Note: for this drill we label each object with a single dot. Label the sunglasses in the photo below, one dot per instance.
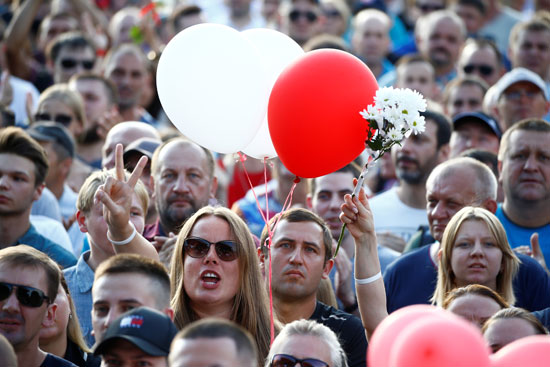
(69, 63)
(426, 8)
(27, 296)
(485, 70)
(294, 15)
(285, 360)
(198, 248)
(331, 13)
(61, 118)
(516, 95)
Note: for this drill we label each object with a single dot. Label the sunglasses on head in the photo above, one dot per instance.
(294, 15)
(198, 248)
(331, 13)
(483, 69)
(61, 118)
(27, 296)
(69, 63)
(285, 360)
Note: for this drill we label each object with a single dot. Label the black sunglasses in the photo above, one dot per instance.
(198, 247)
(69, 63)
(61, 118)
(285, 360)
(294, 15)
(27, 296)
(426, 8)
(483, 69)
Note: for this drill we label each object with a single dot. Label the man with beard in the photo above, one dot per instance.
(184, 181)
(100, 105)
(23, 169)
(401, 210)
(440, 36)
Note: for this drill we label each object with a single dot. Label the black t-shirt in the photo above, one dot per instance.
(55, 361)
(349, 330)
(77, 356)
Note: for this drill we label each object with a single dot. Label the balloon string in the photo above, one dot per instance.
(242, 158)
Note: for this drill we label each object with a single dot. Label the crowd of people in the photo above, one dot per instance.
(122, 242)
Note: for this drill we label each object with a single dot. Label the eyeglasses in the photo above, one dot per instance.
(61, 118)
(70, 63)
(294, 15)
(517, 94)
(485, 70)
(27, 296)
(285, 360)
(198, 248)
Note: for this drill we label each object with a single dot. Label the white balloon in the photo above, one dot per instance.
(213, 86)
(277, 51)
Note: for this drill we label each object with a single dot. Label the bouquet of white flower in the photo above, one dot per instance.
(395, 115)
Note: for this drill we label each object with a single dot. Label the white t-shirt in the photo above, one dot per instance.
(392, 215)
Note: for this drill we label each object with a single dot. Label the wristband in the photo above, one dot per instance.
(369, 280)
(126, 241)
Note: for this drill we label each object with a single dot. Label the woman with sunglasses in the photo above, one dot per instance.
(60, 104)
(475, 250)
(215, 272)
(308, 343)
(63, 337)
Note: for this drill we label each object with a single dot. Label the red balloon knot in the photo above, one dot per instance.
(297, 180)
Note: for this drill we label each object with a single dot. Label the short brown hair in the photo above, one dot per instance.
(108, 85)
(16, 141)
(23, 256)
(131, 263)
(295, 215)
(530, 124)
(516, 313)
(476, 289)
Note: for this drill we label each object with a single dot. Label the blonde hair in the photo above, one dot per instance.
(250, 307)
(85, 200)
(68, 97)
(446, 279)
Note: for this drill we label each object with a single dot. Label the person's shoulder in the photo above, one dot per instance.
(410, 258)
(55, 361)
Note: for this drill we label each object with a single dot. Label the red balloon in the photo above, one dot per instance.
(532, 351)
(440, 341)
(383, 338)
(313, 112)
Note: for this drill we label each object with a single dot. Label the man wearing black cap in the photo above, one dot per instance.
(474, 130)
(141, 336)
(132, 154)
(60, 149)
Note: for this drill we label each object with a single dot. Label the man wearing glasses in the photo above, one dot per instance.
(481, 58)
(308, 343)
(302, 20)
(29, 281)
(69, 54)
(520, 94)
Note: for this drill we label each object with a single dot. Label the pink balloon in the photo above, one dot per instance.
(532, 351)
(383, 338)
(440, 341)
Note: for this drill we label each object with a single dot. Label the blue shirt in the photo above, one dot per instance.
(34, 239)
(80, 279)
(411, 279)
(519, 236)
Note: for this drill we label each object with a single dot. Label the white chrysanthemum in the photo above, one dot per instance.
(418, 124)
(395, 135)
(384, 96)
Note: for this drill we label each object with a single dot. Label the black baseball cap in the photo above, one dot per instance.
(54, 132)
(480, 117)
(143, 146)
(148, 329)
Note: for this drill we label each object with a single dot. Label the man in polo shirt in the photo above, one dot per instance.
(141, 336)
(474, 130)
